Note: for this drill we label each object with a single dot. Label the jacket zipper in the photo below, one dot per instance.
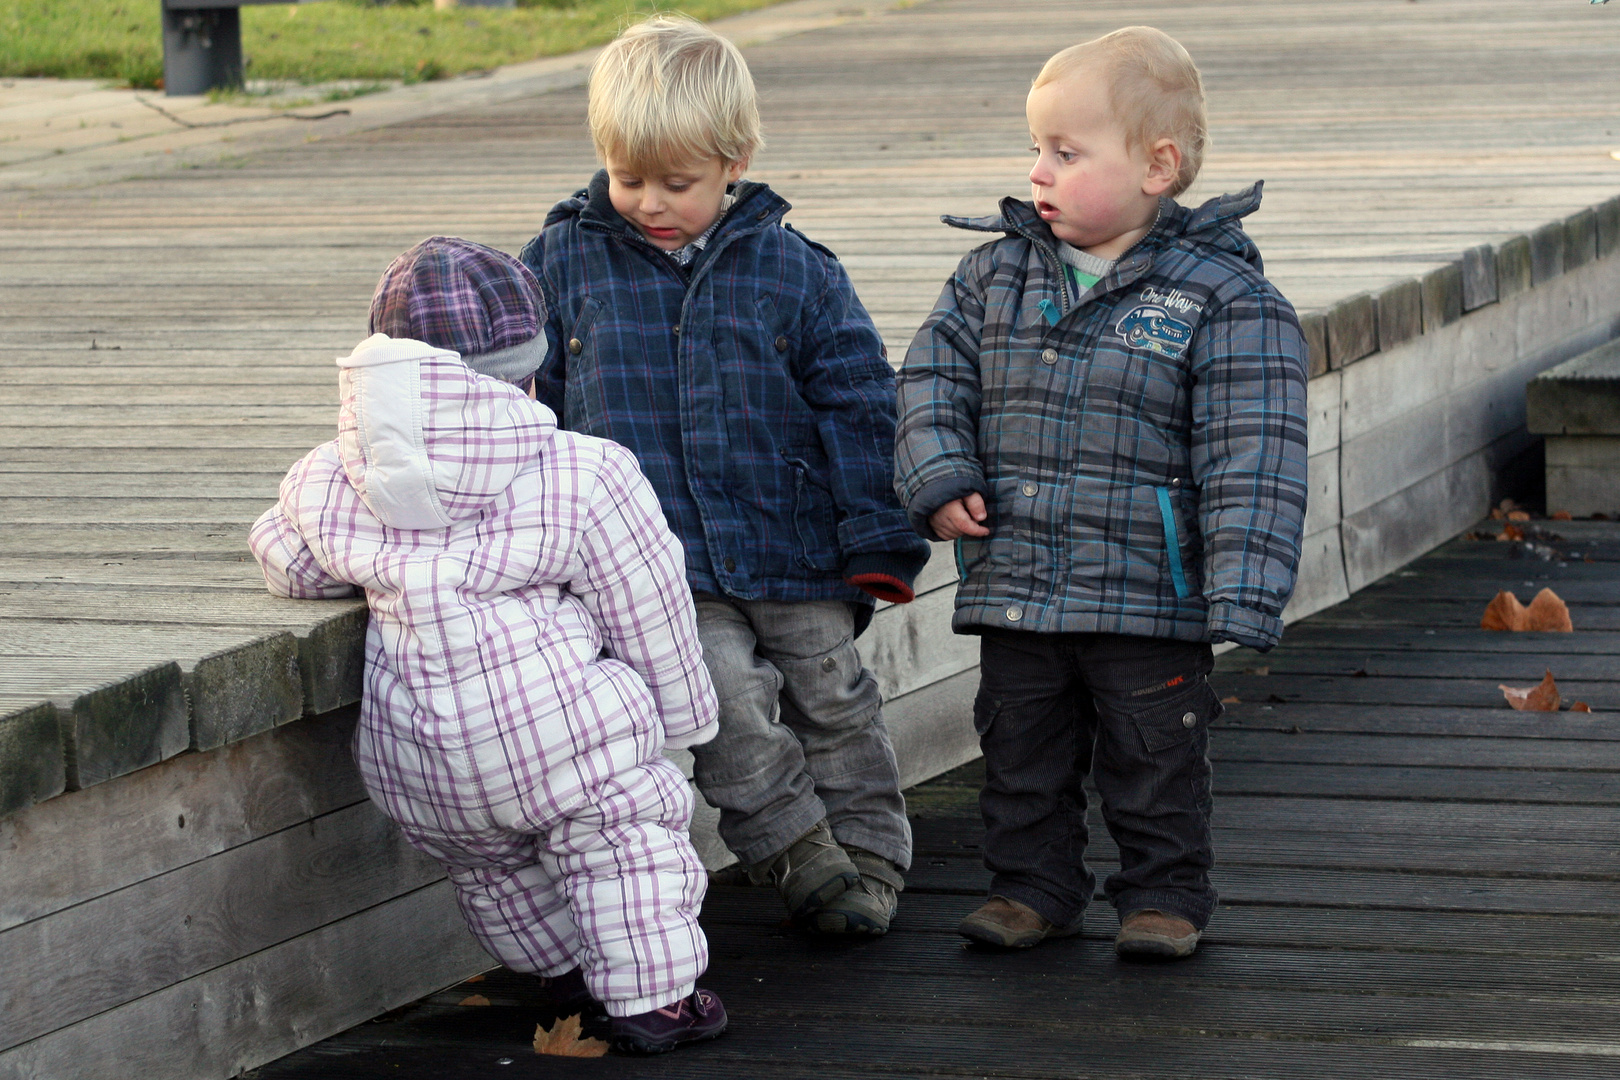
(1172, 541)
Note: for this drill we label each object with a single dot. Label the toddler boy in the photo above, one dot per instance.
(730, 354)
(1106, 411)
(531, 649)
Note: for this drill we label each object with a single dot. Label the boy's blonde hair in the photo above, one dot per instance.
(670, 92)
(1154, 90)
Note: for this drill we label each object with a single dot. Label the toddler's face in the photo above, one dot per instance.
(1087, 184)
(675, 206)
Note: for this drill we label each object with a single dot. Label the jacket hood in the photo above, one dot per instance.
(425, 441)
(1216, 224)
(592, 205)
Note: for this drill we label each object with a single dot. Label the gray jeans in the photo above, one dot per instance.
(801, 730)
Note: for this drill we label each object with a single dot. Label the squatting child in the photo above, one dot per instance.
(1106, 411)
(730, 354)
(531, 651)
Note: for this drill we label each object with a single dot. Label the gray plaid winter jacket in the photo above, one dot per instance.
(1140, 447)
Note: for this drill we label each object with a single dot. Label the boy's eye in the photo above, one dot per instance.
(1065, 156)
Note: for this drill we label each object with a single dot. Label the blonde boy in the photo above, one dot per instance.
(1106, 411)
(731, 355)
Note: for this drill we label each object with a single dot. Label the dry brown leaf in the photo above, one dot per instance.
(1548, 614)
(1518, 515)
(562, 1039)
(1504, 612)
(1511, 532)
(1233, 700)
(475, 978)
(1562, 515)
(1497, 515)
(474, 999)
(1543, 697)
(1580, 706)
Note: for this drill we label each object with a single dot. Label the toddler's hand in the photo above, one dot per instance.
(960, 517)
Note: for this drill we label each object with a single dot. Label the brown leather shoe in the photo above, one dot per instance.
(1011, 925)
(1153, 933)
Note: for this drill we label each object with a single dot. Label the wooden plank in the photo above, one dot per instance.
(261, 1006)
(1382, 718)
(126, 944)
(1476, 693)
(154, 821)
(1509, 666)
(1234, 745)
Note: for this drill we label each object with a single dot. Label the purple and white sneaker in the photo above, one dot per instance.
(694, 1018)
(566, 994)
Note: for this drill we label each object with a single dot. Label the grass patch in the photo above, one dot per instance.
(407, 40)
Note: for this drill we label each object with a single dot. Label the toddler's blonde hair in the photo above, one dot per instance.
(669, 93)
(1154, 90)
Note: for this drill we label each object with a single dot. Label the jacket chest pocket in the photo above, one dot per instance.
(583, 399)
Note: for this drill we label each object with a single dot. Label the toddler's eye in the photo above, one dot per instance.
(1065, 156)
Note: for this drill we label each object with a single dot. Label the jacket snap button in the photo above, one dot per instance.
(828, 663)
(677, 330)
(1029, 489)
(1175, 481)
(1048, 356)
(731, 565)
(576, 346)
(1014, 614)
(781, 344)
(1188, 719)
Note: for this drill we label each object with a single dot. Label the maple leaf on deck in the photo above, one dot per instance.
(1543, 697)
(1547, 613)
(563, 1040)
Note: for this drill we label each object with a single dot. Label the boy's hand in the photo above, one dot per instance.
(960, 517)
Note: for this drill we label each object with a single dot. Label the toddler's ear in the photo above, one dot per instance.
(1164, 167)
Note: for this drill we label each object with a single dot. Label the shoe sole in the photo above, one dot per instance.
(639, 1047)
(1156, 946)
(826, 894)
(986, 934)
(851, 922)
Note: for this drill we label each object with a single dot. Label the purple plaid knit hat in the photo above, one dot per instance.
(455, 294)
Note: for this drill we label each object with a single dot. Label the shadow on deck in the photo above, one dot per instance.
(1415, 880)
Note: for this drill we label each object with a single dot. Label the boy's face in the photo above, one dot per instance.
(1089, 187)
(676, 206)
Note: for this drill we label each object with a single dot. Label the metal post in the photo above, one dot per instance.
(202, 49)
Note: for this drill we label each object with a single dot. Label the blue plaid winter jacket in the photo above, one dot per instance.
(751, 386)
(1140, 447)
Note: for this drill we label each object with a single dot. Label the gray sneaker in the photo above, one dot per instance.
(870, 905)
(812, 871)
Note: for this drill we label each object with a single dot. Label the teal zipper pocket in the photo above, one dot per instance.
(961, 563)
(1172, 540)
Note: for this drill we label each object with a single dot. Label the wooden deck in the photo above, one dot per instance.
(1415, 881)
(167, 342)
(165, 354)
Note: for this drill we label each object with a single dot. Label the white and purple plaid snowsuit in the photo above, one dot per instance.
(532, 650)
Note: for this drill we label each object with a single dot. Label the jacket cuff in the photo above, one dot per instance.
(935, 494)
(1246, 626)
(693, 738)
(879, 531)
(887, 575)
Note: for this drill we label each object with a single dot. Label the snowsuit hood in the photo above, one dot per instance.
(426, 441)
